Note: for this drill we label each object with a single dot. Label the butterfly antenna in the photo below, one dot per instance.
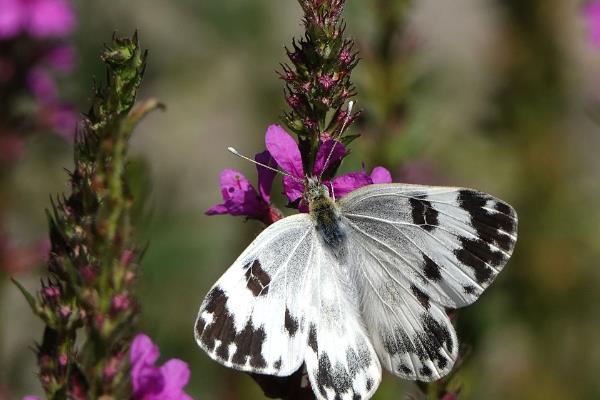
(349, 113)
(237, 153)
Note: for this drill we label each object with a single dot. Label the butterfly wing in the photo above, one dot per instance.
(254, 317)
(449, 242)
(419, 249)
(340, 359)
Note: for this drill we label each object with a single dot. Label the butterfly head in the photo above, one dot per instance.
(314, 190)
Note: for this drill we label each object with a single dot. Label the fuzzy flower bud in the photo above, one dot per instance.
(120, 302)
(51, 292)
(326, 82)
(65, 312)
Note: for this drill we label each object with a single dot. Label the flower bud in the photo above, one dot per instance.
(120, 302)
(127, 257)
(64, 311)
(294, 101)
(346, 57)
(51, 292)
(63, 359)
(326, 82)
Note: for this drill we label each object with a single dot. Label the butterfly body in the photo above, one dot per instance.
(326, 216)
(357, 285)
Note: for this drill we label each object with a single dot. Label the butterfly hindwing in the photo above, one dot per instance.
(254, 317)
(412, 335)
(449, 242)
(340, 359)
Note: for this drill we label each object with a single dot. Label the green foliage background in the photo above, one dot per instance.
(498, 95)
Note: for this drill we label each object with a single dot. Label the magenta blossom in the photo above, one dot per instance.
(38, 18)
(156, 383)
(592, 16)
(242, 199)
(285, 151)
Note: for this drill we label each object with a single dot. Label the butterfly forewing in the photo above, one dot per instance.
(449, 242)
(254, 317)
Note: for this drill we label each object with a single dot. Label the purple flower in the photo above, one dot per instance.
(61, 58)
(592, 15)
(31, 397)
(42, 85)
(39, 18)
(156, 383)
(62, 120)
(241, 198)
(285, 151)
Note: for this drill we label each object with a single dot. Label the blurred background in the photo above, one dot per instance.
(501, 95)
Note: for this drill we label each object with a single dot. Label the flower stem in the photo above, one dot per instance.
(92, 263)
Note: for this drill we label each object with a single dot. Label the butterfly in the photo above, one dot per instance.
(357, 285)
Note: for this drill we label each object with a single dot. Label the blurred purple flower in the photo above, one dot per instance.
(285, 151)
(31, 397)
(592, 16)
(39, 18)
(156, 383)
(62, 119)
(61, 58)
(42, 85)
(242, 199)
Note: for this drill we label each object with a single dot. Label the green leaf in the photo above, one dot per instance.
(346, 140)
(28, 296)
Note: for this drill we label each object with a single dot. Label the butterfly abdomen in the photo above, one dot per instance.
(328, 223)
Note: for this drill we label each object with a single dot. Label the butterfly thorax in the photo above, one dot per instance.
(326, 215)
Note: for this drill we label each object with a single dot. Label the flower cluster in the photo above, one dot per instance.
(242, 199)
(150, 382)
(93, 258)
(318, 81)
(32, 53)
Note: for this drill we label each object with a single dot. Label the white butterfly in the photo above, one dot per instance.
(358, 284)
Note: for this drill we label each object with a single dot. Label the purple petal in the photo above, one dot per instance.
(147, 382)
(292, 189)
(50, 18)
(12, 14)
(284, 150)
(339, 152)
(30, 397)
(143, 351)
(265, 176)
(176, 374)
(218, 209)
(240, 197)
(344, 184)
(381, 175)
(145, 376)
